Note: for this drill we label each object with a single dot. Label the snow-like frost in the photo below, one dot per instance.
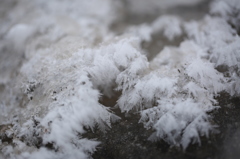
(224, 52)
(177, 122)
(205, 75)
(72, 59)
(181, 91)
(61, 75)
(169, 26)
(184, 76)
(229, 10)
(66, 108)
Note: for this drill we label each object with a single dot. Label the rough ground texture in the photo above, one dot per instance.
(128, 139)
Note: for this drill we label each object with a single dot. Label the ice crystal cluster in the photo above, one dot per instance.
(72, 58)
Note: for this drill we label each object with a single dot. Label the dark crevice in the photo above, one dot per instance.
(157, 44)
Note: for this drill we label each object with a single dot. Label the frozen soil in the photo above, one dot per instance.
(129, 139)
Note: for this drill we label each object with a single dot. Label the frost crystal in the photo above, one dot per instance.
(71, 57)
